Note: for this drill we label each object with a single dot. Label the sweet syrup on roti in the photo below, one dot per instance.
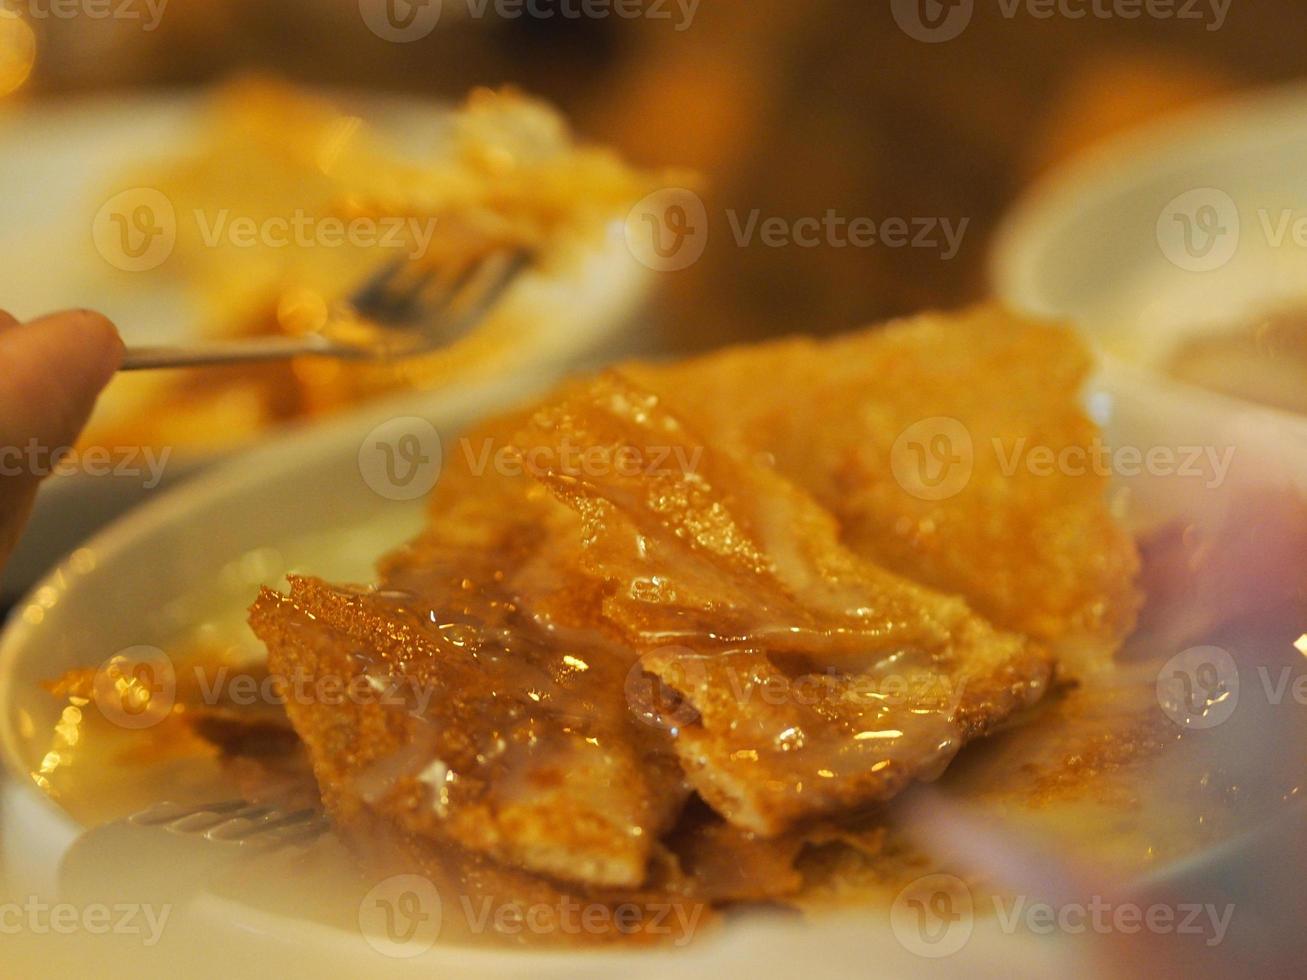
(1098, 768)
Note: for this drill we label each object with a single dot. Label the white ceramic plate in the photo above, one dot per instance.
(59, 162)
(137, 583)
(1171, 228)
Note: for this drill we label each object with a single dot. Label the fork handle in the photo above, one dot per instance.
(246, 351)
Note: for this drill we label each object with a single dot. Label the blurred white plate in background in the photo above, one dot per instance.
(1181, 226)
(59, 162)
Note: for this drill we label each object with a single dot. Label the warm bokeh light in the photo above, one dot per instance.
(17, 52)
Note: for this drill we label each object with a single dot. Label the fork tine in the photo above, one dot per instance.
(377, 286)
(437, 302)
(271, 822)
(444, 282)
(484, 285)
(167, 812)
(235, 822)
(391, 295)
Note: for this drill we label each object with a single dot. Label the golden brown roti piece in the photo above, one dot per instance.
(967, 409)
(822, 684)
(464, 721)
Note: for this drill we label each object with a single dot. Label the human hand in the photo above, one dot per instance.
(51, 371)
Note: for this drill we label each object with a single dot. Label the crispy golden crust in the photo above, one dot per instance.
(527, 760)
(821, 683)
(1031, 545)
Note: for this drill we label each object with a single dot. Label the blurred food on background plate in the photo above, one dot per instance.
(288, 202)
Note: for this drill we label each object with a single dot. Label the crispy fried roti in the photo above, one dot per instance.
(819, 683)
(950, 449)
(709, 579)
(465, 721)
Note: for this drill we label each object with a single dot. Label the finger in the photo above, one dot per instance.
(7, 320)
(51, 371)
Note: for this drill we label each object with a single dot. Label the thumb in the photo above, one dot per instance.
(51, 371)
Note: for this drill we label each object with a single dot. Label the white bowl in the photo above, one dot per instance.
(138, 582)
(1103, 240)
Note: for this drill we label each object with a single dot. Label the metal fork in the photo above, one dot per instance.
(172, 851)
(235, 822)
(406, 308)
